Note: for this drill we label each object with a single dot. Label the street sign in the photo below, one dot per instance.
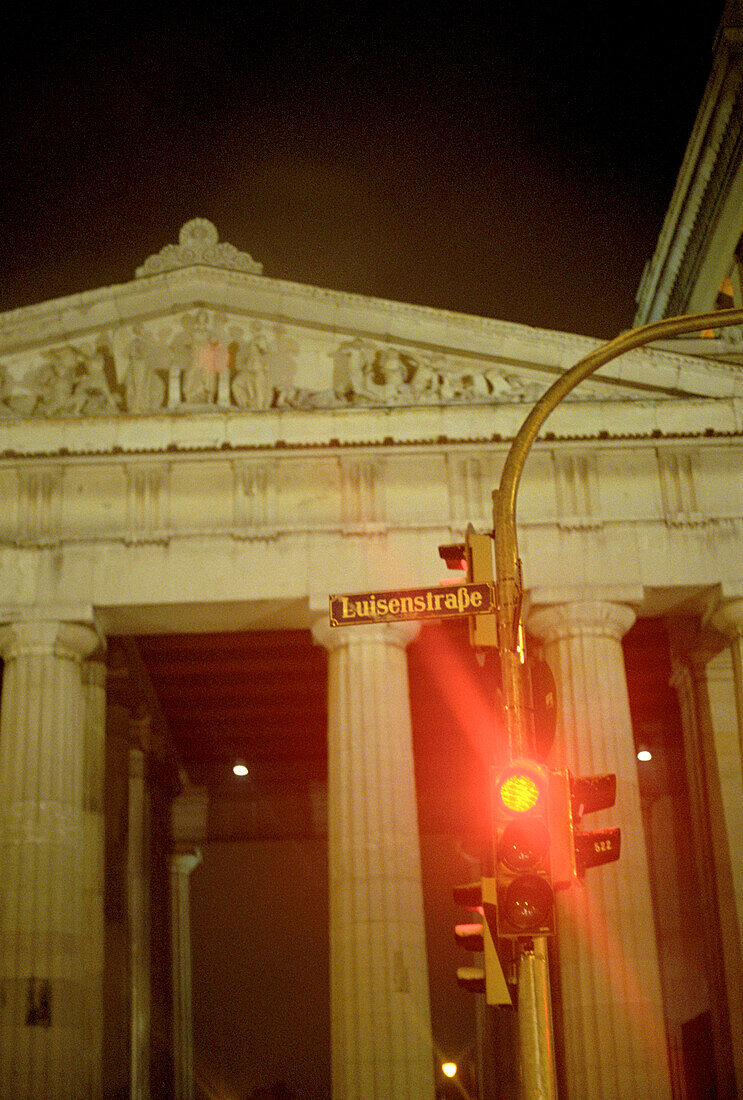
(441, 602)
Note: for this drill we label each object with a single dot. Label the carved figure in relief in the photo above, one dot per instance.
(426, 379)
(354, 363)
(93, 384)
(367, 375)
(392, 373)
(71, 382)
(469, 385)
(53, 382)
(7, 406)
(281, 358)
(203, 357)
(519, 388)
(199, 383)
(144, 389)
(250, 388)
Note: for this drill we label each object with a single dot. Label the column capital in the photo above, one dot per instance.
(74, 641)
(394, 634)
(728, 618)
(600, 618)
(185, 861)
(547, 595)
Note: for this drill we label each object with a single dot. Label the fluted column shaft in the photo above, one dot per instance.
(138, 902)
(729, 620)
(380, 1013)
(94, 685)
(44, 895)
(181, 866)
(727, 734)
(613, 1023)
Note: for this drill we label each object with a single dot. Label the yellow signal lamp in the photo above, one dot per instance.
(521, 788)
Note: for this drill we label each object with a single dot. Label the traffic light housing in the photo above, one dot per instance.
(575, 850)
(522, 848)
(594, 847)
(478, 937)
(475, 556)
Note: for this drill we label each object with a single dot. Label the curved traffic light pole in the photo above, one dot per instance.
(507, 563)
(535, 1024)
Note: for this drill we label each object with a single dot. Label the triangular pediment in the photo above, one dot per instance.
(201, 331)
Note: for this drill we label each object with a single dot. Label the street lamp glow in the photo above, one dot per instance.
(449, 1069)
(240, 768)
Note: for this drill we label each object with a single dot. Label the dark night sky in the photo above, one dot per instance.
(506, 159)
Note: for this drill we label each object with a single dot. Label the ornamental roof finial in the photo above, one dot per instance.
(198, 243)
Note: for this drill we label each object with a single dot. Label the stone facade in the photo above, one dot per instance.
(208, 448)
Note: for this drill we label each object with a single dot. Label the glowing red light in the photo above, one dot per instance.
(519, 793)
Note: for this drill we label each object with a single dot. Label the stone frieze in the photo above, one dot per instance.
(206, 359)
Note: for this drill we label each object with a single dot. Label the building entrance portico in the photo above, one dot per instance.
(205, 453)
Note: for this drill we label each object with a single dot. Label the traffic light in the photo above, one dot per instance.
(522, 843)
(595, 847)
(575, 850)
(489, 978)
(475, 555)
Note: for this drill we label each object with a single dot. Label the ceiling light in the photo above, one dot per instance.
(240, 768)
(644, 753)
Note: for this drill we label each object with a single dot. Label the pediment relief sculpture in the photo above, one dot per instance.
(370, 375)
(204, 359)
(67, 380)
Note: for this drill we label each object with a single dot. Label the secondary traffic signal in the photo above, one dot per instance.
(489, 978)
(596, 846)
(574, 850)
(475, 556)
(521, 827)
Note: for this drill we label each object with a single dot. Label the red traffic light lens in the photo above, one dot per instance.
(528, 904)
(524, 845)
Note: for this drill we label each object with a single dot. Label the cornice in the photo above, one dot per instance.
(284, 433)
(702, 186)
(255, 295)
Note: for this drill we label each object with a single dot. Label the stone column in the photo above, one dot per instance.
(380, 1015)
(94, 683)
(692, 651)
(728, 619)
(44, 895)
(612, 1008)
(723, 676)
(138, 902)
(181, 866)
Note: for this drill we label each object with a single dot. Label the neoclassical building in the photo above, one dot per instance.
(190, 463)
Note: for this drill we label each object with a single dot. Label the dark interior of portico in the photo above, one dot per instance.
(260, 897)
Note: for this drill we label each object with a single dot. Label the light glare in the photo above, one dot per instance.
(449, 1069)
(644, 754)
(239, 768)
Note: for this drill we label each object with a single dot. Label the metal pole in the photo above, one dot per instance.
(480, 1045)
(535, 1023)
(535, 1018)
